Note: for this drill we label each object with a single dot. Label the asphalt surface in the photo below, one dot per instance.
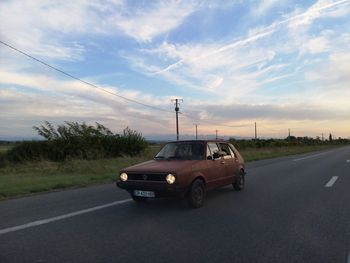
(293, 209)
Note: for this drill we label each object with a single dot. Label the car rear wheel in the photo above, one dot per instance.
(196, 194)
(139, 199)
(238, 185)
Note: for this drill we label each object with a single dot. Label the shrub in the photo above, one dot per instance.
(74, 140)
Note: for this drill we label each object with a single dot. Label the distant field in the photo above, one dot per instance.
(35, 177)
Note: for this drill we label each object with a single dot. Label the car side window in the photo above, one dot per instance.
(213, 147)
(226, 149)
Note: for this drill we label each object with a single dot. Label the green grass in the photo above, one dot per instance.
(5, 147)
(41, 176)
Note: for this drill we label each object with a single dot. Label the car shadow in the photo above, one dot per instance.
(180, 204)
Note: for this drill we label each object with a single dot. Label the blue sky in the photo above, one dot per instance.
(283, 64)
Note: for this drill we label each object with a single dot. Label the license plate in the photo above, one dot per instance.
(144, 193)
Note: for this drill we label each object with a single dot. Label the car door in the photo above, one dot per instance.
(230, 163)
(216, 167)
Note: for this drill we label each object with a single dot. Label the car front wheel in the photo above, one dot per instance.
(238, 185)
(196, 194)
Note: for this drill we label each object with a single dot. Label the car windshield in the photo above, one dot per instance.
(182, 151)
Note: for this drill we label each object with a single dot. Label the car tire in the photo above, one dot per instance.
(238, 185)
(196, 194)
(139, 199)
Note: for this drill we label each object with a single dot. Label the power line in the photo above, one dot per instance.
(83, 81)
(113, 93)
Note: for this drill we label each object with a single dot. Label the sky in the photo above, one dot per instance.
(278, 63)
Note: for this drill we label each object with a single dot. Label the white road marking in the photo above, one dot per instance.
(310, 156)
(349, 258)
(331, 181)
(57, 218)
(348, 161)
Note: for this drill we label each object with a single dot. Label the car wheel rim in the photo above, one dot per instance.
(241, 180)
(198, 195)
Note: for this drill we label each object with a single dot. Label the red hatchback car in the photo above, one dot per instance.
(187, 169)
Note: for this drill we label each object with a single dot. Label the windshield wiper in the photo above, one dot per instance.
(159, 157)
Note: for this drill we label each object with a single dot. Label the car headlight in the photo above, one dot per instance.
(123, 177)
(170, 178)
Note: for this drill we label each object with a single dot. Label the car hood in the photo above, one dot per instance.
(161, 166)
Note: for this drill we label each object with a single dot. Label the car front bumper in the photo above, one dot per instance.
(161, 189)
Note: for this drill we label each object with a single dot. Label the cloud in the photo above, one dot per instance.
(273, 112)
(29, 96)
(38, 27)
(53, 30)
(334, 75)
(155, 19)
(265, 5)
(315, 11)
(294, 69)
(269, 54)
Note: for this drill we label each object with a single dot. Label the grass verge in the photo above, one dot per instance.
(4, 148)
(42, 176)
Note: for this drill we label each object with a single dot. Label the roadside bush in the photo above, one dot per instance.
(80, 141)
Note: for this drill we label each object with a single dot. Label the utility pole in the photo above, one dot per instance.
(256, 133)
(322, 137)
(216, 132)
(177, 116)
(196, 131)
(289, 133)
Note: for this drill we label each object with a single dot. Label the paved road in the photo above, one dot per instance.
(294, 209)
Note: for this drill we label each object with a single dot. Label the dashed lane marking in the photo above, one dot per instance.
(331, 181)
(61, 217)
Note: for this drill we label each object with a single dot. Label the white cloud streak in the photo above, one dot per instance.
(312, 13)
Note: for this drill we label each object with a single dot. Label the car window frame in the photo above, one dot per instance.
(212, 153)
(208, 153)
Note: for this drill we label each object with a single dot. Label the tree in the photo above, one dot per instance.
(330, 137)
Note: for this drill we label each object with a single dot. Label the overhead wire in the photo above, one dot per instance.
(84, 81)
(113, 93)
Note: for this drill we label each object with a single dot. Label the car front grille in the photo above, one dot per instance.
(147, 177)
